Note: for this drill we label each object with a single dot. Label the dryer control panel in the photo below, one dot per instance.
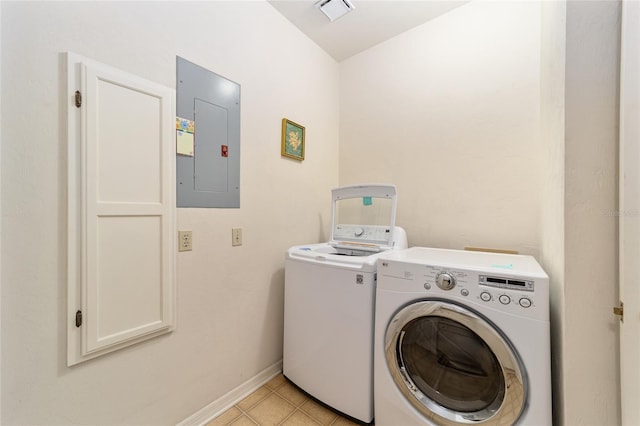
(504, 282)
(521, 293)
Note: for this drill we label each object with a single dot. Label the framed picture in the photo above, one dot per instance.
(292, 140)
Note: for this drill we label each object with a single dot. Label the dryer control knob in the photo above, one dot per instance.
(504, 299)
(445, 281)
(525, 302)
(358, 232)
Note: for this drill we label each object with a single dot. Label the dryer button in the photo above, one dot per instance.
(427, 286)
(525, 302)
(485, 296)
(464, 292)
(504, 299)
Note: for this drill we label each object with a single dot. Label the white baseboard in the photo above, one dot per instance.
(228, 400)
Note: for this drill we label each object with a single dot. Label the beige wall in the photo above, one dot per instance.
(230, 300)
(0, 216)
(552, 241)
(449, 112)
(590, 338)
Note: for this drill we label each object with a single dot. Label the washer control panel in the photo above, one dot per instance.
(364, 233)
(508, 292)
(521, 289)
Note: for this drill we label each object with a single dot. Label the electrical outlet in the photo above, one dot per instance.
(236, 236)
(184, 241)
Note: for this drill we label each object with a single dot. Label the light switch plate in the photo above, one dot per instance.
(236, 236)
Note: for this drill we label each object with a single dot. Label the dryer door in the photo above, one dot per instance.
(454, 366)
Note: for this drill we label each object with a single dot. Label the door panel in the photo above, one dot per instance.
(121, 209)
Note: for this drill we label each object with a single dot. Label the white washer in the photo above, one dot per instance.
(330, 297)
(461, 338)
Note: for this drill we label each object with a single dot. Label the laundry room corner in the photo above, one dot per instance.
(454, 125)
(489, 148)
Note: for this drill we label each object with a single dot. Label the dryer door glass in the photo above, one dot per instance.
(452, 364)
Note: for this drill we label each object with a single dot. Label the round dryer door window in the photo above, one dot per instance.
(454, 366)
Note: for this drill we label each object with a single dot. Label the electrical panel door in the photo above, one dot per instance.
(210, 175)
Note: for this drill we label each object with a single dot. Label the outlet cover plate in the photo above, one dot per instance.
(185, 239)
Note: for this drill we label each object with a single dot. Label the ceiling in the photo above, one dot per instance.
(371, 22)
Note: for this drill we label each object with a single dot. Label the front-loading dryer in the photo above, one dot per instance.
(329, 300)
(461, 338)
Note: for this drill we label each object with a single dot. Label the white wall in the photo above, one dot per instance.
(0, 217)
(552, 241)
(230, 300)
(590, 339)
(449, 112)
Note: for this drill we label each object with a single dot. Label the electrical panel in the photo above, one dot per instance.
(208, 170)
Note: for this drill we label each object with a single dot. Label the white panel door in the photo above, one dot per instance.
(630, 212)
(121, 209)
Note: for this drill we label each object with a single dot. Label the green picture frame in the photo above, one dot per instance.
(292, 140)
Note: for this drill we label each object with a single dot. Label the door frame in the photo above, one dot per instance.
(629, 213)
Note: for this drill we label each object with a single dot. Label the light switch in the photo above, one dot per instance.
(236, 236)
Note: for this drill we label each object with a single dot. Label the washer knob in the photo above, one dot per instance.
(445, 281)
(358, 232)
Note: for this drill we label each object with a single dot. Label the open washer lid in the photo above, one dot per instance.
(363, 218)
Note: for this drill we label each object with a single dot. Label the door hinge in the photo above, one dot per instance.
(78, 318)
(78, 99)
(619, 310)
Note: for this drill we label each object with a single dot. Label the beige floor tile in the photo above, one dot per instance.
(275, 404)
(243, 420)
(318, 412)
(341, 421)
(291, 394)
(251, 400)
(226, 417)
(276, 381)
(299, 419)
(271, 411)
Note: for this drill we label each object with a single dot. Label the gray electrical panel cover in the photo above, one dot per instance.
(211, 178)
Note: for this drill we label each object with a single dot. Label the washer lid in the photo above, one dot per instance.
(363, 217)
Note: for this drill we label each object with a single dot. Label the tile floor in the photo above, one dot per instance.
(279, 402)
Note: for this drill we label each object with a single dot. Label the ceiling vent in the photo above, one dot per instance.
(334, 9)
